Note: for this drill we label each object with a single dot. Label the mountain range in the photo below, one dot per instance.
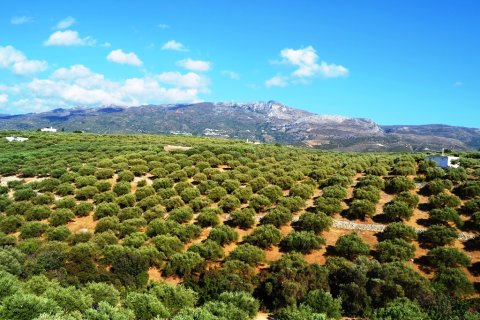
(269, 122)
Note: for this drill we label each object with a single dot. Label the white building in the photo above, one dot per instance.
(444, 161)
(17, 139)
(48, 129)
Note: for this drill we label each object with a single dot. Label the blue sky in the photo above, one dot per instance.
(396, 62)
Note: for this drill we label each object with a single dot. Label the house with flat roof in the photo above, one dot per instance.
(48, 129)
(444, 161)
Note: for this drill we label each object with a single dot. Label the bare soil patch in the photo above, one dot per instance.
(82, 223)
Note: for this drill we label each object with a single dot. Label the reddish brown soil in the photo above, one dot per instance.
(82, 223)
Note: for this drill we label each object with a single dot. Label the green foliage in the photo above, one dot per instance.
(181, 215)
(323, 302)
(289, 279)
(259, 202)
(24, 194)
(398, 210)
(371, 180)
(243, 194)
(208, 218)
(48, 273)
(243, 218)
(438, 235)
(32, 229)
(395, 250)
(399, 230)
(277, 216)
(247, 253)
(336, 192)
(468, 189)
(61, 217)
(437, 186)
(409, 198)
(445, 215)
(264, 236)
(86, 193)
(314, 222)
(400, 309)
(26, 306)
(359, 209)
(399, 184)
(121, 188)
(369, 193)
(216, 193)
(145, 306)
(329, 206)
(301, 190)
(293, 204)
(38, 212)
(229, 203)
(448, 257)
(209, 250)
(351, 246)
(185, 263)
(167, 244)
(444, 200)
(106, 209)
(301, 241)
(242, 301)
(223, 235)
(452, 281)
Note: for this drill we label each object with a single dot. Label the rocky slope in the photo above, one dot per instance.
(257, 121)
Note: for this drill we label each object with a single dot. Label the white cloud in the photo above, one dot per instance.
(78, 85)
(163, 26)
(231, 74)
(277, 81)
(174, 45)
(194, 65)
(17, 20)
(306, 61)
(74, 72)
(68, 38)
(106, 45)
(188, 80)
(458, 84)
(307, 66)
(29, 67)
(17, 62)
(3, 98)
(65, 23)
(118, 56)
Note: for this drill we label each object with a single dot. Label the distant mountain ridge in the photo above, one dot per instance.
(268, 121)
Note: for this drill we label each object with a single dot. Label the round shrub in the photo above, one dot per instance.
(243, 218)
(264, 236)
(361, 208)
(301, 241)
(248, 253)
(351, 246)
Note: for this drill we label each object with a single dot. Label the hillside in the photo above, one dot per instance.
(269, 122)
(116, 224)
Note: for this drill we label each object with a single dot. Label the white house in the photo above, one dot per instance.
(444, 161)
(17, 139)
(48, 129)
